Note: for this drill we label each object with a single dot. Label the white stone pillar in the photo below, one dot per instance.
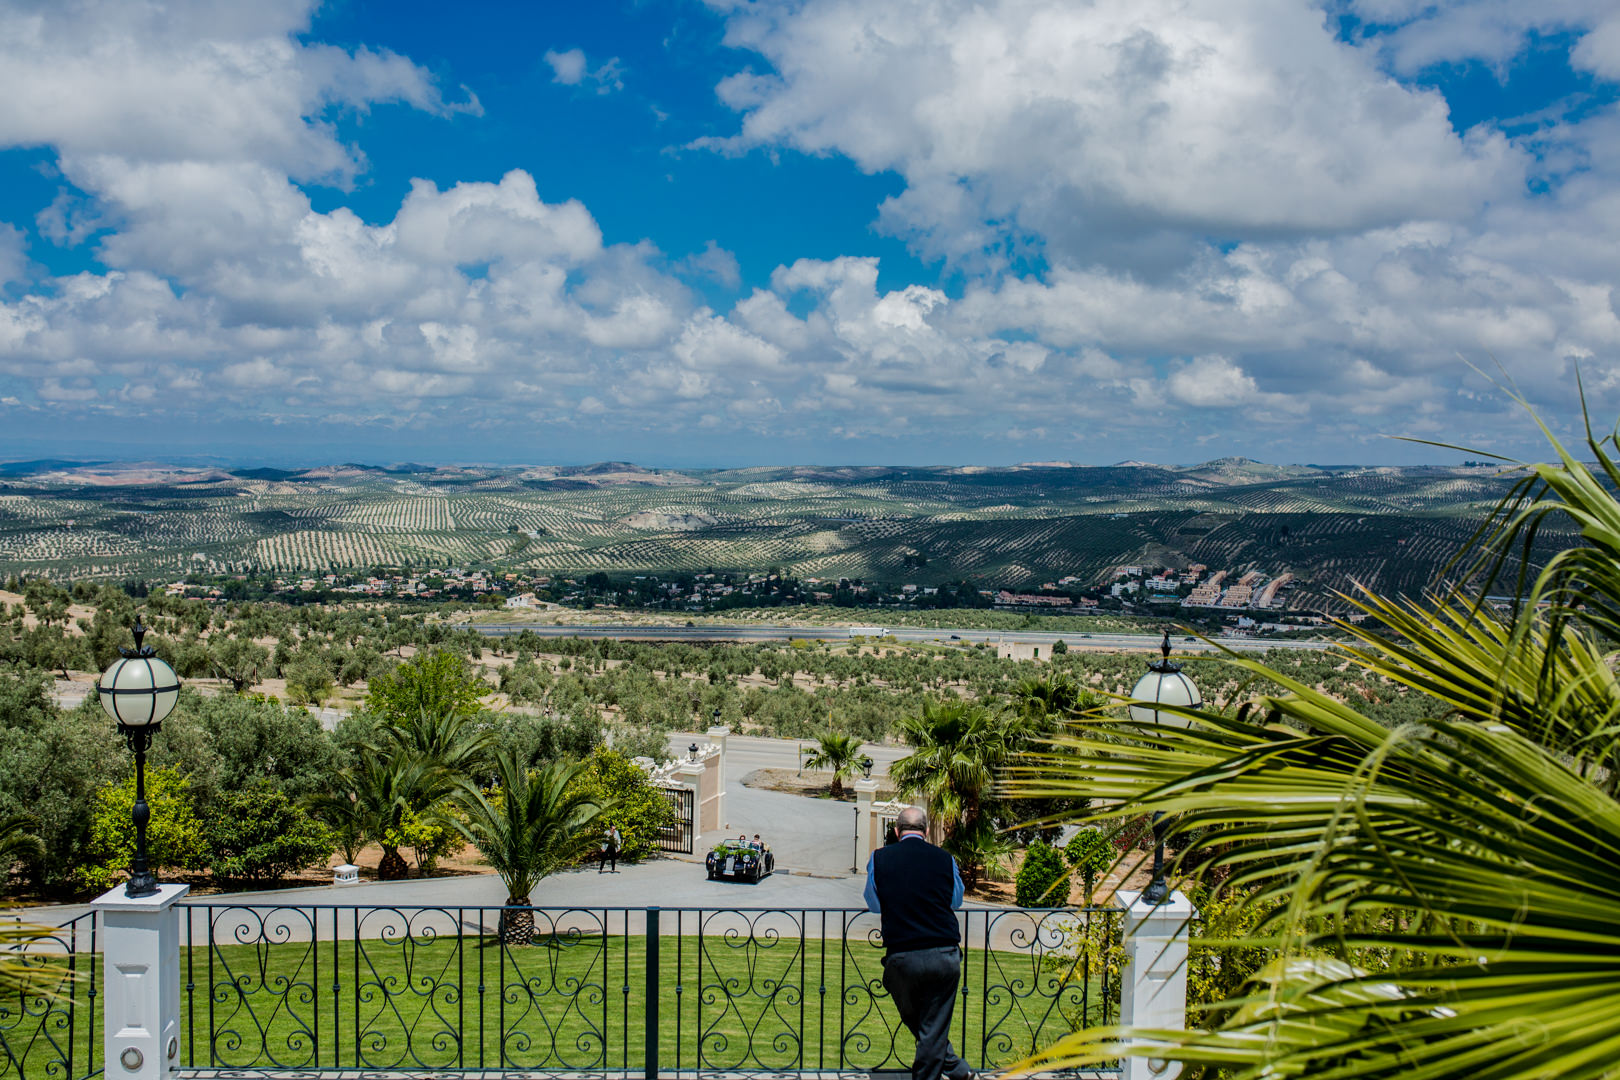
(690, 774)
(1153, 993)
(141, 949)
(865, 792)
(717, 735)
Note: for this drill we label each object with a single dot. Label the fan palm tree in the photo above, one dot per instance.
(956, 748)
(535, 824)
(837, 752)
(1440, 899)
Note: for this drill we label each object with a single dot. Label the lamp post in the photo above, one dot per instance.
(139, 691)
(692, 752)
(717, 716)
(1164, 684)
(866, 767)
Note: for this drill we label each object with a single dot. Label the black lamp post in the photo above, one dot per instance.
(692, 751)
(1164, 684)
(139, 691)
(716, 716)
(866, 768)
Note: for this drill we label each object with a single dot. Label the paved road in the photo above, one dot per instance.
(1075, 638)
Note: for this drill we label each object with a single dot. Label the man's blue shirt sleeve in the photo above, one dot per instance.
(956, 884)
(871, 887)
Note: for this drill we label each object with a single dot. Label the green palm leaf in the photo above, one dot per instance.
(1442, 899)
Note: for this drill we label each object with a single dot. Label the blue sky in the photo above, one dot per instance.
(765, 232)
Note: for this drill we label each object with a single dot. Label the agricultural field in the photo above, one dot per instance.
(1331, 527)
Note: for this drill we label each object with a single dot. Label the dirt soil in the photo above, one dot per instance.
(812, 784)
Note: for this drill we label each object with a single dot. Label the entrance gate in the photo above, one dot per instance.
(679, 836)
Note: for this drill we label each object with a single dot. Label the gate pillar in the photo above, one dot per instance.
(1154, 990)
(141, 947)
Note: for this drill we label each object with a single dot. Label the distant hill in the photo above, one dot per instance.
(998, 526)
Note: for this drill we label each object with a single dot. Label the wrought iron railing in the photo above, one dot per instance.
(623, 990)
(50, 1024)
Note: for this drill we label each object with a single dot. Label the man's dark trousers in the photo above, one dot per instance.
(923, 984)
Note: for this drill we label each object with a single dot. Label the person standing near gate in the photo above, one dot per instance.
(916, 887)
(610, 851)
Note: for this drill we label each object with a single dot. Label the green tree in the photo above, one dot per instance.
(17, 843)
(174, 836)
(1091, 854)
(534, 824)
(256, 834)
(394, 794)
(837, 752)
(1437, 899)
(309, 681)
(956, 747)
(434, 683)
(1042, 879)
(630, 801)
(238, 661)
(339, 809)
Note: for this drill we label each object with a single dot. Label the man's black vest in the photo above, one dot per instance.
(915, 882)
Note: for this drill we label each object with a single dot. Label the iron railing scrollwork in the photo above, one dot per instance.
(622, 990)
(50, 1025)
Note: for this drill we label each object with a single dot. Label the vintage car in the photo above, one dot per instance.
(739, 861)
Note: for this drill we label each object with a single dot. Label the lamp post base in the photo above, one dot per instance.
(141, 884)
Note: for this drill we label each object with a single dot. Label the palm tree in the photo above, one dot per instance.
(387, 789)
(957, 746)
(340, 811)
(453, 739)
(16, 842)
(1441, 899)
(840, 753)
(536, 824)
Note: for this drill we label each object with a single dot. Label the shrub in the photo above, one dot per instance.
(1042, 879)
(1091, 854)
(1060, 647)
(309, 682)
(257, 834)
(174, 837)
(637, 807)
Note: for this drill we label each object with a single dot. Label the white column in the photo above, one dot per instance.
(141, 947)
(690, 774)
(865, 792)
(1154, 990)
(717, 735)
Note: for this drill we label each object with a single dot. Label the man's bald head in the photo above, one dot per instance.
(911, 819)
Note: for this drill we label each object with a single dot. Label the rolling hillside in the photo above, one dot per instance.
(1329, 526)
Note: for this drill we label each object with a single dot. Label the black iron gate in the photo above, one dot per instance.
(679, 836)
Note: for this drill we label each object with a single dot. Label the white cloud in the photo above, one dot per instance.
(1212, 381)
(1361, 243)
(567, 67)
(1101, 124)
(570, 69)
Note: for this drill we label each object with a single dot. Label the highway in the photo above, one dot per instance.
(1075, 638)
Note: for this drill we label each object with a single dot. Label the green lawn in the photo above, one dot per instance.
(575, 1003)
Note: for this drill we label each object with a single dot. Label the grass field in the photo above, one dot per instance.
(572, 1002)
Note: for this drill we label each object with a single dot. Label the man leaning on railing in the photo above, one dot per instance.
(916, 887)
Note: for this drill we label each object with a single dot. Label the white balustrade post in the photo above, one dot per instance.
(717, 735)
(1153, 993)
(141, 949)
(865, 792)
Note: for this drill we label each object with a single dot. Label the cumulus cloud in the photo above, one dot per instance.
(1095, 127)
(1232, 212)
